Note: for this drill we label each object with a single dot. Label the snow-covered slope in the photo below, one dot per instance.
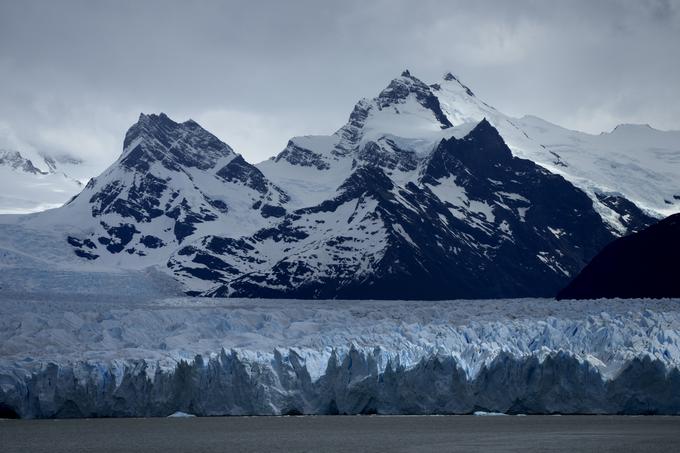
(633, 162)
(394, 130)
(637, 162)
(26, 186)
(131, 357)
(173, 182)
(401, 203)
(477, 222)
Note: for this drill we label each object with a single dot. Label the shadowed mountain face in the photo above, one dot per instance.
(644, 264)
(478, 222)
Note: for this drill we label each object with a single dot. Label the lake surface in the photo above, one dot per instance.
(345, 434)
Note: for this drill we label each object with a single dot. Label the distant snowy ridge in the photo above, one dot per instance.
(29, 184)
(244, 357)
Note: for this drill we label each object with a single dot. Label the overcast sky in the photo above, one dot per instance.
(74, 75)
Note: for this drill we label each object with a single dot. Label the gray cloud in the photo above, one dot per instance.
(75, 74)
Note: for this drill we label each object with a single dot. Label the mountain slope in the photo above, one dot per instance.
(644, 264)
(635, 162)
(477, 223)
(395, 130)
(173, 182)
(26, 186)
(423, 193)
(630, 174)
(407, 120)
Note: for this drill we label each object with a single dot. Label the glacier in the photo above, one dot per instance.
(134, 355)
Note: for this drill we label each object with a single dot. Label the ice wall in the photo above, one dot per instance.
(239, 357)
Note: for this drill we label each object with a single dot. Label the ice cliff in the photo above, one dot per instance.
(66, 358)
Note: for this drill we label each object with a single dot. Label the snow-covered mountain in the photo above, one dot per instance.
(401, 203)
(35, 183)
(173, 182)
(633, 162)
(404, 123)
(426, 192)
(477, 222)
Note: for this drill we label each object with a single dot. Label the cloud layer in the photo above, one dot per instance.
(74, 75)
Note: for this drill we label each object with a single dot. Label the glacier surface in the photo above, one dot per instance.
(89, 356)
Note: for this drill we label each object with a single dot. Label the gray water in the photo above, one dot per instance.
(344, 434)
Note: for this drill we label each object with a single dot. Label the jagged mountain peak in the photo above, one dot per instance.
(475, 215)
(484, 129)
(404, 97)
(366, 178)
(451, 79)
(157, 138)
(482, 148)
(173, 181)
(159, 124)
(402, 87)
(153, 117)
(485, 138)
(162, 119)
(16, 161)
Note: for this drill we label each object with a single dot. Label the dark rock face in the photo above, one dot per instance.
(630, 216)
(389, 156)
(644, 264)
(272, 211)
(119, 237)
(534, 230)
(543, 228)
(83, 248)
(351, 132)
(240, 171)
(142, 201)
(402, 87)
(151, 242)
(448, 77)
(157, 138)
(186, 217)
(296, 155)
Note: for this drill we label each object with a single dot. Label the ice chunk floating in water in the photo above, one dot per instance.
(77, 358)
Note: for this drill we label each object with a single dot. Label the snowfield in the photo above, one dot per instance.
(107, 356)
